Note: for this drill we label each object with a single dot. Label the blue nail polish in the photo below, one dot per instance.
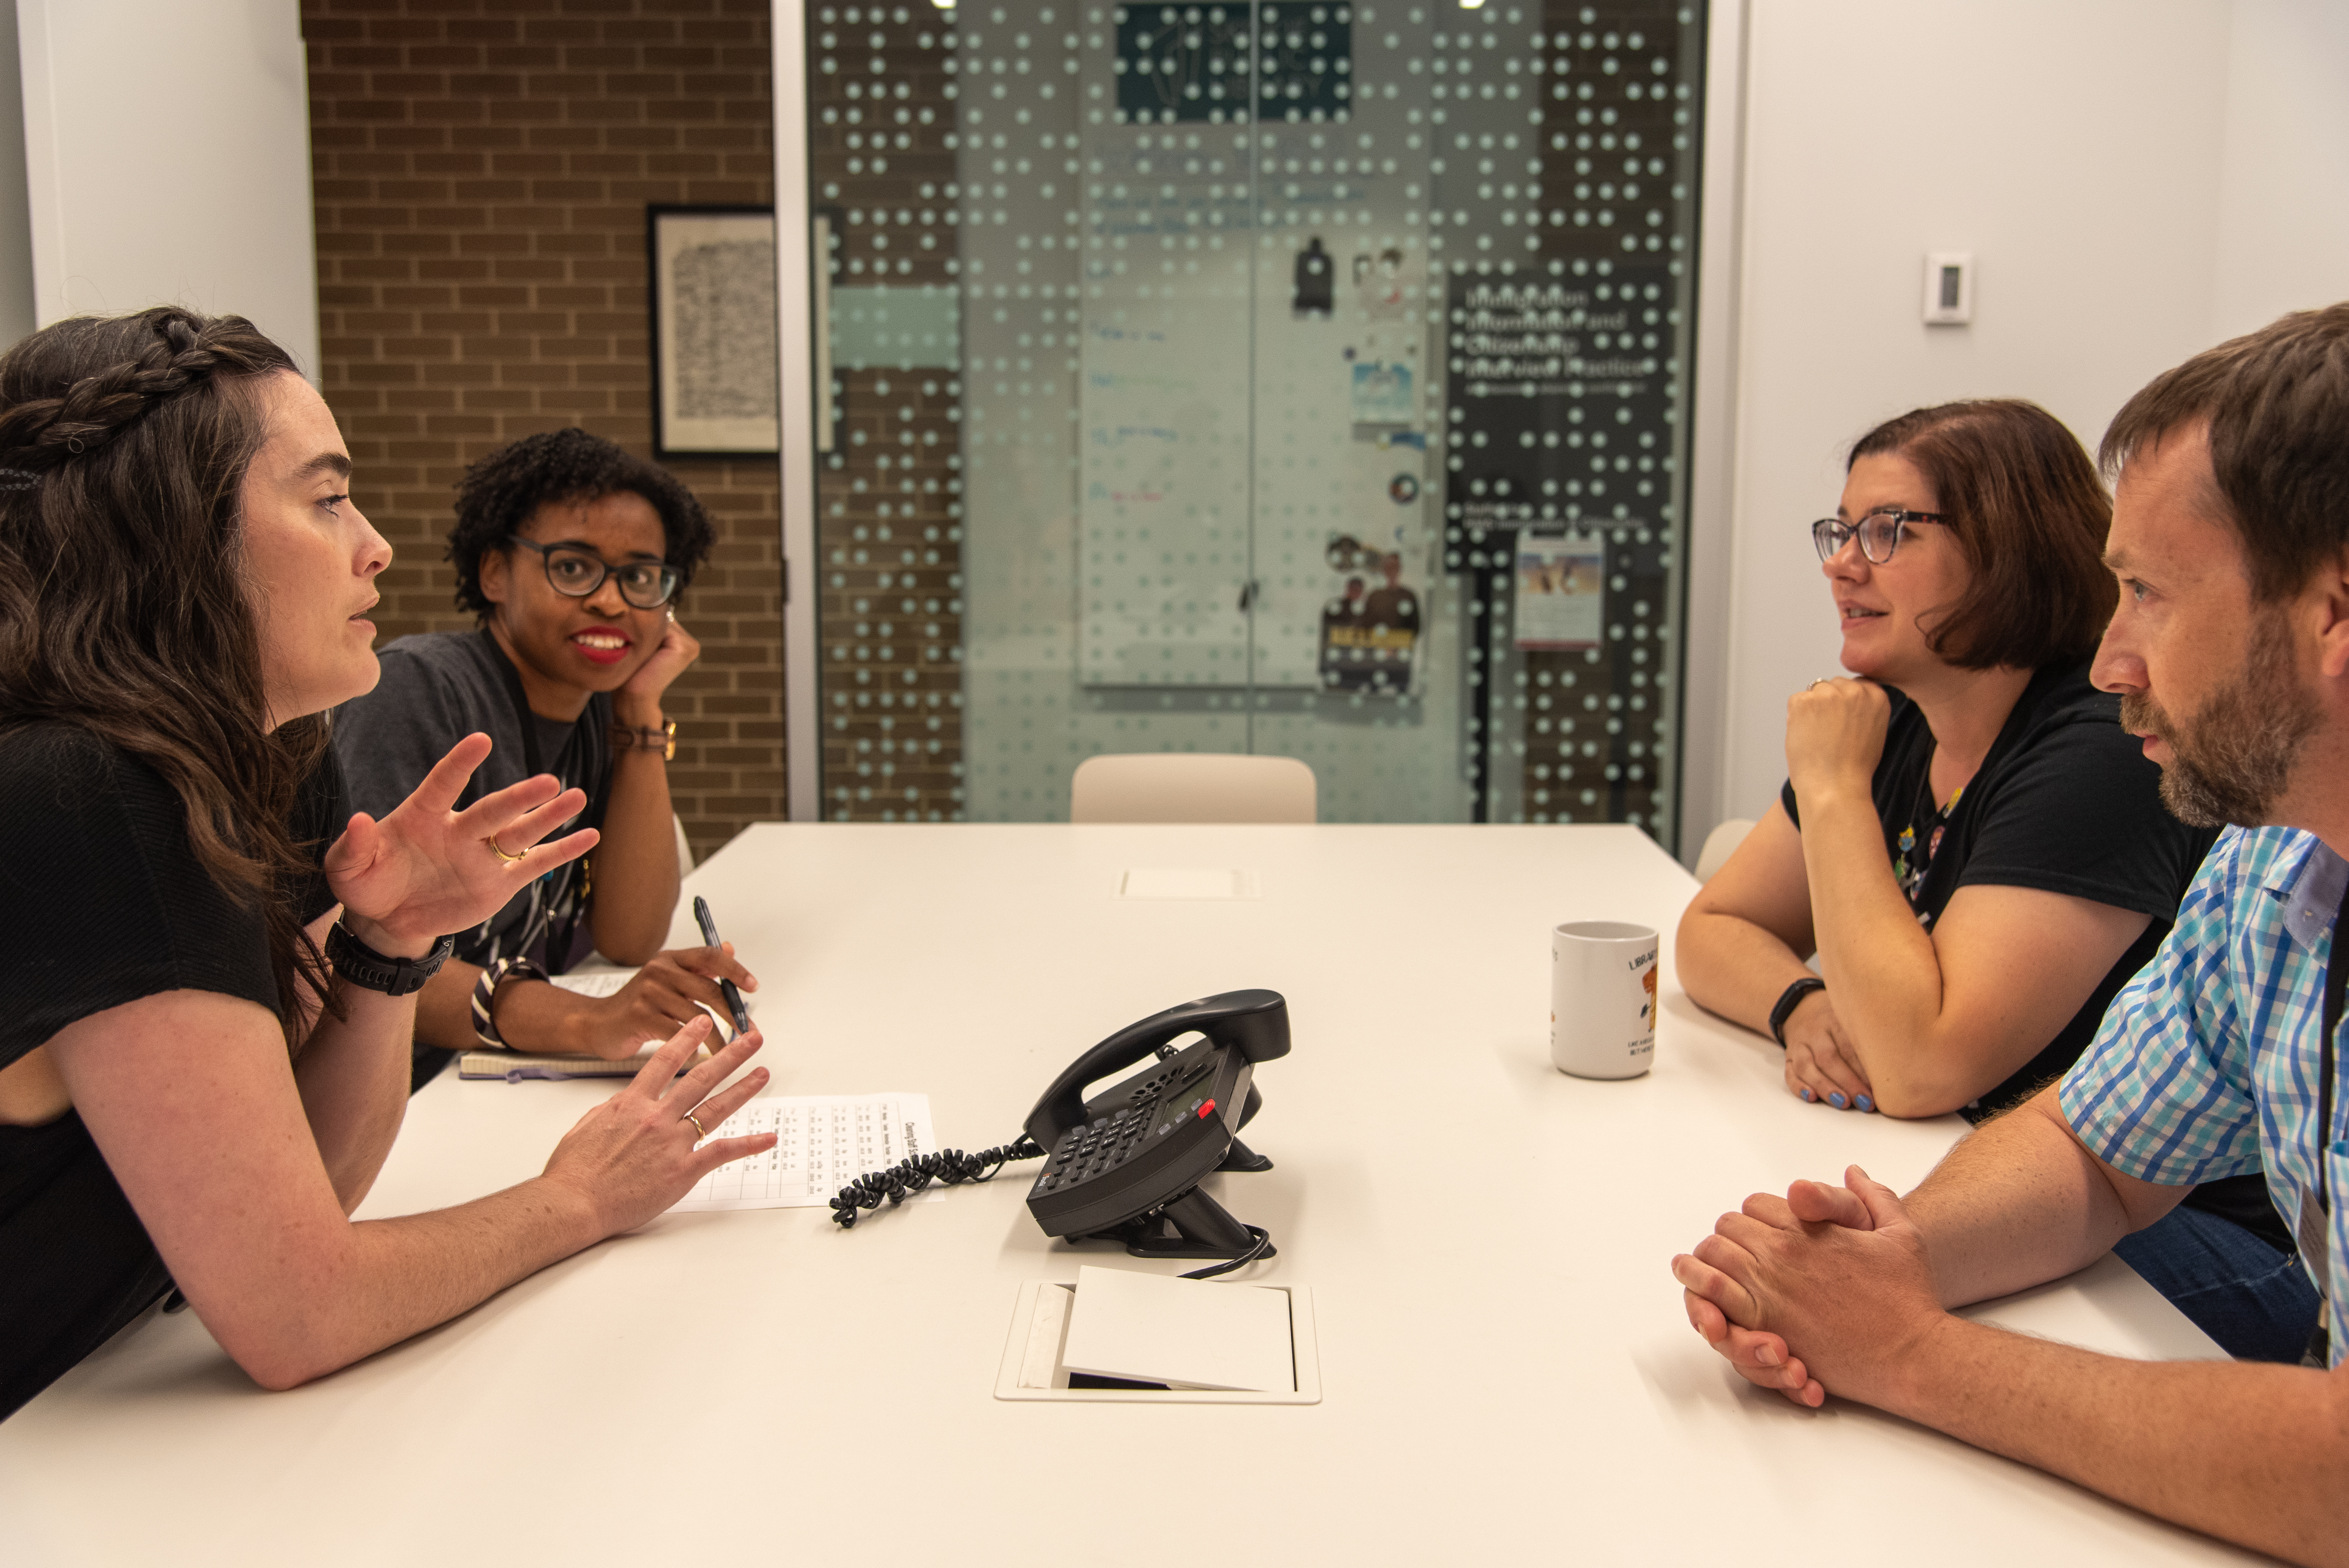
(1866, 1104)
(1806, 1096)
(1836, 1100)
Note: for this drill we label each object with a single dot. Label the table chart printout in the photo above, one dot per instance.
(822, 1142)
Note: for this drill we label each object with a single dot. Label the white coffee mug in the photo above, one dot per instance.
(1602, 999)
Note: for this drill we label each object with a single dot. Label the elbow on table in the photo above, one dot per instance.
(1912, 1096)
(284, 1348)
(286, 1362)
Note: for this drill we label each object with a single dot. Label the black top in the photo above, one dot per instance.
(435, 690)
(102, 902)
(2066, 801)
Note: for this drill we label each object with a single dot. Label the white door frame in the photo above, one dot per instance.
(795, 335)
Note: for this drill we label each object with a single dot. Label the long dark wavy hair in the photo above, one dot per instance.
(123, 602)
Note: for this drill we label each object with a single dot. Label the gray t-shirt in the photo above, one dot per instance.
(435, 690)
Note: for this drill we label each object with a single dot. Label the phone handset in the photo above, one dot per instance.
(1126, 1164)
(1254, 1022)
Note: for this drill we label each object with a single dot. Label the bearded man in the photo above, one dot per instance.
(2230, 651)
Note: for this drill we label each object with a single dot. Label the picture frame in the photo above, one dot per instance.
(711, 281)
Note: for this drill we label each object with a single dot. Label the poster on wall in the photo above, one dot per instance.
(1370, 625)
(1561, 593)
(713, 331)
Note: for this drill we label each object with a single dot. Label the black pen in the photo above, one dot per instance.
(733, 997)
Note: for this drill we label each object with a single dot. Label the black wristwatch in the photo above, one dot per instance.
(368, 970)
(1790, 999)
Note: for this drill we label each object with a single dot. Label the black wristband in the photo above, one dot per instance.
(1790, 999)
(364, 966)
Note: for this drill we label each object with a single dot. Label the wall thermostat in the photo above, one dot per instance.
(1949, 288)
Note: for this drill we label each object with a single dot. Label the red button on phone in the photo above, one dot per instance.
(1205, 1109)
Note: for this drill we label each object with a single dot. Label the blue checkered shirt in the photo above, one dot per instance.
(2205, 1064)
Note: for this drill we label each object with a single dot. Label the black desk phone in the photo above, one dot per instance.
(1125, 1164)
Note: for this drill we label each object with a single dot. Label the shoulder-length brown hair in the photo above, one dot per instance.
(2029, 515)
(123, 604)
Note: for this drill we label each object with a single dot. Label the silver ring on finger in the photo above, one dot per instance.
(1822, 680)
(699, 1132)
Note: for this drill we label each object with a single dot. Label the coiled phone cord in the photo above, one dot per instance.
(954, 1167)
(915, 1172)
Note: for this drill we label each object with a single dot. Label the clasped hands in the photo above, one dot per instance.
(1826, 1286)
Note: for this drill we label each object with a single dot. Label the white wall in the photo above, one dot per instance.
(2284, 196)
(16, 227)
(167, 159)
(2136, 177)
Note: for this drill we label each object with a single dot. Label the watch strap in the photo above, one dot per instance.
(368, 970)
(661, 738)
(485, 996)
(1790, 999)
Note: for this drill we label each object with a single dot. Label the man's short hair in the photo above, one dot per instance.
(2024, 506)
(2277, 405)
(499, 494)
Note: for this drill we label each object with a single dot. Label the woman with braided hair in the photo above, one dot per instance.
(212, 966)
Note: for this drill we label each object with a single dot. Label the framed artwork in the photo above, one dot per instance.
(713, 331)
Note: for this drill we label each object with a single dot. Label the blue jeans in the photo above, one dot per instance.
(2256, 1301)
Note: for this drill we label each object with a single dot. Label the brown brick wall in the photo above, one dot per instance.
(480, 171)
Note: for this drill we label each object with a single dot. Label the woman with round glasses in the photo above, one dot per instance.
(571, 552)
(1968, 840)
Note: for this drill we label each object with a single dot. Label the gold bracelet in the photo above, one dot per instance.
(661, 738)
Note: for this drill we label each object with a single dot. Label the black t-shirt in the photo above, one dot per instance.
(2066, 801)
(102, 902)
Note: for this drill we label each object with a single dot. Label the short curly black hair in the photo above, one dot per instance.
(498, 493)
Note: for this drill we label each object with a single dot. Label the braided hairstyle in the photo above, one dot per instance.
(124, 443)
(501, 492)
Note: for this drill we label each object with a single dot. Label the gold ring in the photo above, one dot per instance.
(500, 850)
(698, 1135)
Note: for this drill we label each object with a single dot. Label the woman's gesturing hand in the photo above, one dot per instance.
(639, 1152)
(428, 870)
(1835, 736)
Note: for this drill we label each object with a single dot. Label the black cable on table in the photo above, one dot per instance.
(1256, 1249)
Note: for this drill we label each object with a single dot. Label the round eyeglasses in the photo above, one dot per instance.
(1879, 533)
(578, 572)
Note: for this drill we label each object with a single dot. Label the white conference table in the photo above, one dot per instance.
(1508, 1374)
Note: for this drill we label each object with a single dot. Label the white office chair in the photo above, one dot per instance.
(1720, 845)
(1191, 786)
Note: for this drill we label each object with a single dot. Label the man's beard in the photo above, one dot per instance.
(2233, 758)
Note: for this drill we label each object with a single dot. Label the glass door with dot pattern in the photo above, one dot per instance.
(1284, 377)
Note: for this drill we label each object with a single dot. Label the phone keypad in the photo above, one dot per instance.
(1096, 1148)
